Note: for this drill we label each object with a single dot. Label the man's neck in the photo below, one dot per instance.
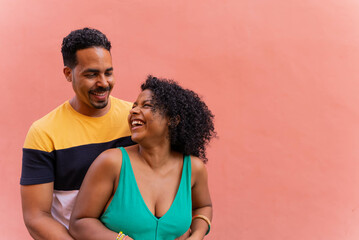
(87, 110)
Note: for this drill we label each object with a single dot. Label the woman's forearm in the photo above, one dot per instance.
(199, 226)
(91, 229)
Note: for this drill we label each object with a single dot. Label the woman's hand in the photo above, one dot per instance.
(193, 237)
(184, 236)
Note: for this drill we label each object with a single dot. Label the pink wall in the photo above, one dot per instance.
(280, 76)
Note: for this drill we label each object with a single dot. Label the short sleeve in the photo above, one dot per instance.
(37, 159)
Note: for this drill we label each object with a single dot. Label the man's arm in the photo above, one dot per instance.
(36, 208)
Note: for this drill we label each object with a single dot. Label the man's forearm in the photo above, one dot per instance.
(45, 227)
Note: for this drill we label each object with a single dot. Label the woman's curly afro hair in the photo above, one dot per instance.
(191, 122)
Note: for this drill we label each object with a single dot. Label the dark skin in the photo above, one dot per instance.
(157, 171)
(36, 205)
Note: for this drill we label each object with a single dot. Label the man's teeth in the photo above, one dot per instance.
(136, 123)
(99, 93)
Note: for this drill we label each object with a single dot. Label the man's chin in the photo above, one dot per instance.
(99, 105)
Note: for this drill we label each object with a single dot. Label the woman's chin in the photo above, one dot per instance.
(135, 139)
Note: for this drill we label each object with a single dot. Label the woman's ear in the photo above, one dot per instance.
(176, 121)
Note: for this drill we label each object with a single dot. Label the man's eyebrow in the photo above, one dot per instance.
(92, 70)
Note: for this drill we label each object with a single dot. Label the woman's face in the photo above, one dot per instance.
(147, 123)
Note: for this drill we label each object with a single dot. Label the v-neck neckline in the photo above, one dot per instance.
(140, 195)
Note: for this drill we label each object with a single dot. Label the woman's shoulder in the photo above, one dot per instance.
(199, 170)
(131, 150)
(109, 159)
(197, 165)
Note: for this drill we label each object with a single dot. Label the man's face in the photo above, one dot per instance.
(92, 80)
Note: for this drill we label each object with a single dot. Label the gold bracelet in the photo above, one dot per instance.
(120, 236)
(205, 219)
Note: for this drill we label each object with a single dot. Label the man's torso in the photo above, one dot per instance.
(61, 146)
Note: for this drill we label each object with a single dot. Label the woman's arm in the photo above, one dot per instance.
(201, 199)
(96, 191)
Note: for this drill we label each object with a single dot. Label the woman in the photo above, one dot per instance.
(158, 188)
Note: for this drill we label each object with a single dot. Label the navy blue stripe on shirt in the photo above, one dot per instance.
(66, 167)
(37, 168)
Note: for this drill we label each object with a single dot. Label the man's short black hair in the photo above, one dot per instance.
(82, 39)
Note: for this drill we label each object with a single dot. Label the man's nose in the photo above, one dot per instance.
(102, 81)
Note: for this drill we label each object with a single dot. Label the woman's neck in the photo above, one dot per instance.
(156, 156)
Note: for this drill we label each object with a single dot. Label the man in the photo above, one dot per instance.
(60, 147)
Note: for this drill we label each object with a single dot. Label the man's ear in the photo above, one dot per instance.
(68, 73)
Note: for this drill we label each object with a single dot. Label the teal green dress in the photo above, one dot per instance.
(128, 212)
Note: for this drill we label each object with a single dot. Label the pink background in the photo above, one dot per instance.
(280, 76)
